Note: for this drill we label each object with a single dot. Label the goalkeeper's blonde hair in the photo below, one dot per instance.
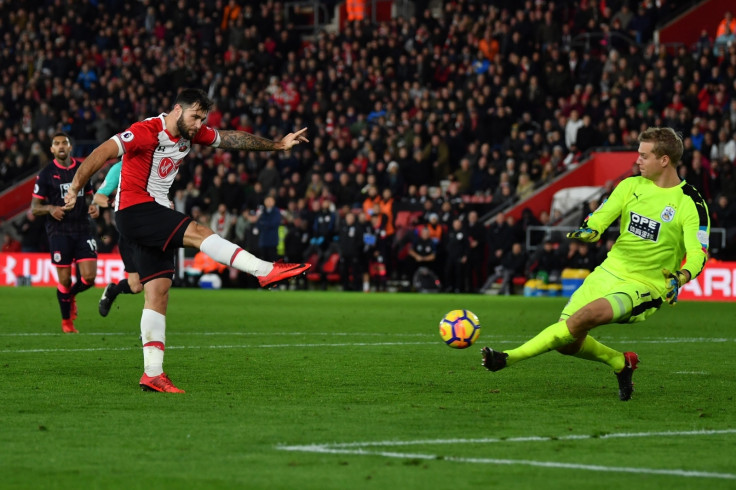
(666, 142)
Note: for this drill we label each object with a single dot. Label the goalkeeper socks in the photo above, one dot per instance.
(64, 298)
(227, 253)
(153, 336)
(81, 285)
(550, 338)
(593, 350)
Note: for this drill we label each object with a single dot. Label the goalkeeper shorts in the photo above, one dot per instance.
(602, 284)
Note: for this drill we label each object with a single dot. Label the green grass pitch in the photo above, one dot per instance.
(324, 390)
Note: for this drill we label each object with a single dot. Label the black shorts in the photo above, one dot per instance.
(127, 252)
(152, 234)
(68, 248)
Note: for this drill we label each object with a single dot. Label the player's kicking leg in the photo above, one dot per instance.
(269, 274)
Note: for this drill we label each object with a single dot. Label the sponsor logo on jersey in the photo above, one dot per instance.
(668, 214)
(166, 166)
(64, 188)
(127, 136)
(643, 227)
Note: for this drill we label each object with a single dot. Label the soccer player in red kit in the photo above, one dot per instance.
(152, 151)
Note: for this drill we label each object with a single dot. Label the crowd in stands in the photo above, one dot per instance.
(448, 114)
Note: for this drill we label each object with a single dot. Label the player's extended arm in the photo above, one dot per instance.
(101, 200)
(94, 162)
(599, 220)
(240, 140)
(584, 234)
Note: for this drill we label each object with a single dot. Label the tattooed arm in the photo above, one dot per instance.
(240, 140)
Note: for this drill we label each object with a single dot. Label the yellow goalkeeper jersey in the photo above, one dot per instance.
(660, 227)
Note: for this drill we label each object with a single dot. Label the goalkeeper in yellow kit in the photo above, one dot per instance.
(663, 221)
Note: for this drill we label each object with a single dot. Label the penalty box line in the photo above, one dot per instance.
(358, 449)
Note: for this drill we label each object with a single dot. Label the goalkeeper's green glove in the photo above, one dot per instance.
(675, 280)
(584, 234)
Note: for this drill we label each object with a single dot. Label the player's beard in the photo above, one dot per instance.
(184, 130)
(64, 160)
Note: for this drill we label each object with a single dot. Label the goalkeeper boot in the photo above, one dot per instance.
(493, 360)
(160, 383)
(67, 326)
(106, 300)
(625, 385)
(282, 272)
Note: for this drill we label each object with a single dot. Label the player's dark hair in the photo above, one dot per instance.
(666, 142)
(62, 134)
(189, 97)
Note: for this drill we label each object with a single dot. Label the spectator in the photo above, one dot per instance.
(580, 257)
(456, 262)
(726, 25)
(422, 252)
(571, 129)
(437, 153)
(512, 265)
(463, 176)
(546, 263)
(222, 221)
(587, 136)
(351, 253)
(723, 215)
(10, 244)
(525, 187)
(32, 232)
(478, 243)
(270, 178)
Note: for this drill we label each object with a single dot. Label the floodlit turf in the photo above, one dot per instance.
(322, 390)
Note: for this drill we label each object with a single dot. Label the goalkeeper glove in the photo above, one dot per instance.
(584, 234)
(675, 280)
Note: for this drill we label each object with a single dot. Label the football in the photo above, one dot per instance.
(459, 328)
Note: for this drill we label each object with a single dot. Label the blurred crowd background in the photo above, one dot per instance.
(423, 128)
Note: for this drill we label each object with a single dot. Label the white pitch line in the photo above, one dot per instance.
(343, 449)
(494, 440)
(242, 346)
(525, 462)
(495, 338)
(234, 334)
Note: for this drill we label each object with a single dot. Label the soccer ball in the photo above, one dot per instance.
(460, 328)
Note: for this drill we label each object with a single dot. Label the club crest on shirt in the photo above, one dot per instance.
(668, 214)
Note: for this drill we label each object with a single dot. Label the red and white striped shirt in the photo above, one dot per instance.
(151, 160)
